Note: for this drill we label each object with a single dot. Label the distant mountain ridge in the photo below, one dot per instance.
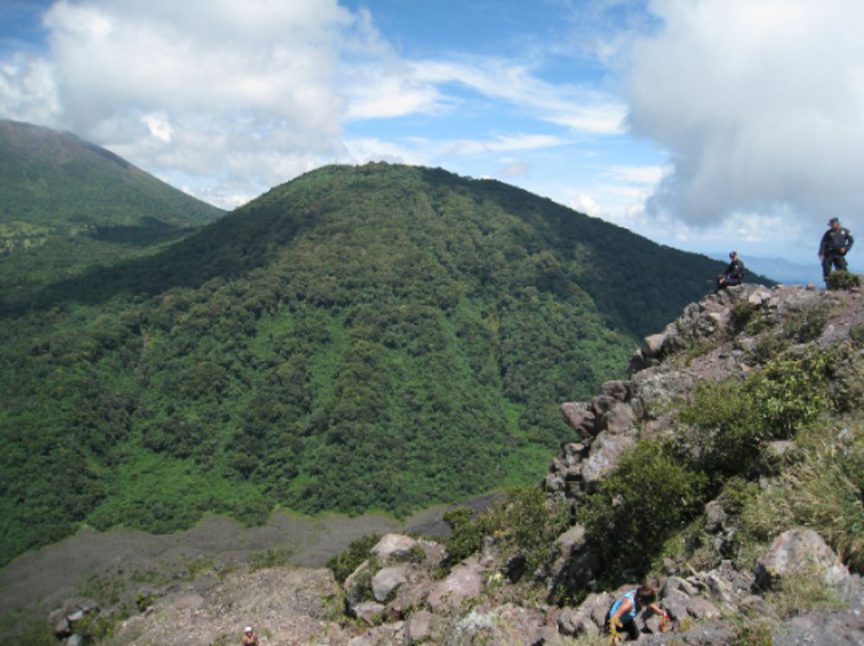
(67, 205)
(55, 179)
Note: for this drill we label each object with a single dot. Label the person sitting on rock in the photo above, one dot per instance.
(250, 637)
(622, 615)
(833, 247)
(734, 274)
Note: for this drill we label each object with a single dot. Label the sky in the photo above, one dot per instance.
(705, 125)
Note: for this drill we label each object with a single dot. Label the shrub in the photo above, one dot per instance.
(806, 325)
(824, 490)
(731, 419)
(524, 525)
(637, 507)
(344, 563)
(744, 317)
(527, 524)
(465, 534)
(842, 280)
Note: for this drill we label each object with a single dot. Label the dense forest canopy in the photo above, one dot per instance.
(375, 337)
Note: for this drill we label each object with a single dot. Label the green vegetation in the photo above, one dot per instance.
(67, 206)
(364, 338)
(651, 504)
(650, 496)
(842, 280)
(524, 527)
(344, 563)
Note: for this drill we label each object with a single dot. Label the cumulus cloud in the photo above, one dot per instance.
(759, 103)
(235, 98)
(230, 101)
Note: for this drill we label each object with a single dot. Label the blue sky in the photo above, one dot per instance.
(702, 124)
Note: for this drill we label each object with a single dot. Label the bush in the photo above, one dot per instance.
(823, 490)
(731, 419)
(842, 280)
(344, 563)
(465, 534)
(806, 325)
(524, 526)
(638, 507)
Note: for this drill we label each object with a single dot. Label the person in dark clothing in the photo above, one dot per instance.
(734, 274)
(834, 246)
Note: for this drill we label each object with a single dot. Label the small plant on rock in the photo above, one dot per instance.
(344, 563)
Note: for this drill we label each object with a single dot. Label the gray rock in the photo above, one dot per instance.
(653, 345)
(754, 604)
(674, 583)
(419, 627)
(579, 417)
(619, 419)
(369, 612)
(357, 585)
(701, 608)
(62, 628)
(715, 517)
(505, 624)
(384, 635)
(411, 594)
(387, 579)
(799, 551)
(74, 640)
(619, 390)
(72, 617)
(464, 582)
(606, 450)
(395, 548)
(573, 538)
(720, 588)
(575, 622)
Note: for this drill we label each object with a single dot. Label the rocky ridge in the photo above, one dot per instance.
(401, 594)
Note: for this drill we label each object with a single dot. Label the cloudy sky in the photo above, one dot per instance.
(703, 124)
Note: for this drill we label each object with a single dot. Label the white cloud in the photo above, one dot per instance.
(579, 108)
(28, 91)
(760, 104)
(513, 169)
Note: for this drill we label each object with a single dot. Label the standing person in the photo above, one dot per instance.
(833, 248)
(250, 637)
(734, 274)
(622, 615)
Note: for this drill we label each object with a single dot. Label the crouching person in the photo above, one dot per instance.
(622, 615)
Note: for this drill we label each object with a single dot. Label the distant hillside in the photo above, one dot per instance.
(67, 204)
(359, 338)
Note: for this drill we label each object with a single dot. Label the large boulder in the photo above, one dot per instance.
(505, 624)
(799, 551)
(465, 581)
(397, 548)
(606, 451)
(386, 580)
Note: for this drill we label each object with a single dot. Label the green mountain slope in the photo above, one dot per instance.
(66, 204)
(373, 337)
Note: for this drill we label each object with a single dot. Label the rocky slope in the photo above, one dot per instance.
(790, 588)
